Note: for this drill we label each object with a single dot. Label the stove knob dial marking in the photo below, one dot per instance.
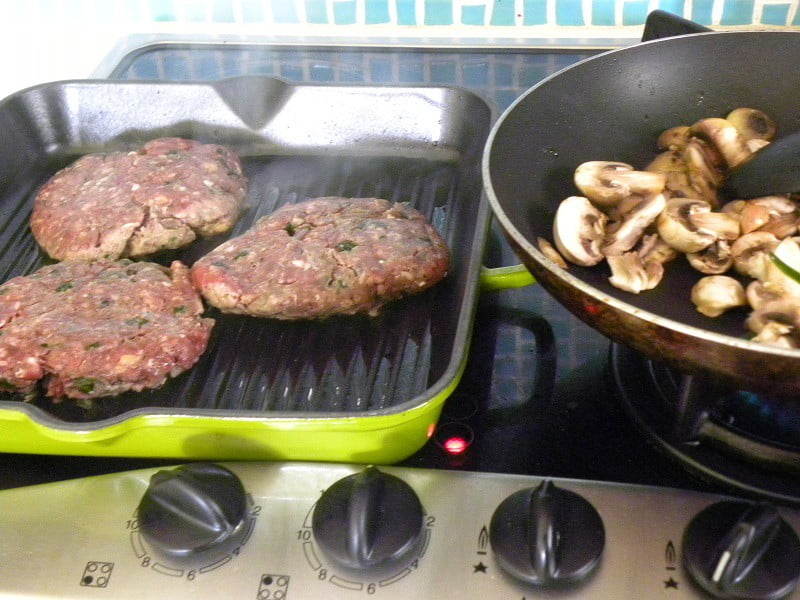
(738, 550)
(194, 511)
(547, 536)
(369, 520)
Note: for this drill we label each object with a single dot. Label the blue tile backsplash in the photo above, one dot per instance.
(553, 14)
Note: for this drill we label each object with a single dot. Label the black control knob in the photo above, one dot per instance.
(547, 536)
(369, 519)
(192, 509)
(736, 549)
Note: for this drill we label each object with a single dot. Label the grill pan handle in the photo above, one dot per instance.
(505, 278)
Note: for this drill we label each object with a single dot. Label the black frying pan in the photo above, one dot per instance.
(612, 107)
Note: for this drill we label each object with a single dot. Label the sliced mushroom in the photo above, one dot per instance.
(716, 294)
(578, 231)
(677, 185)
(782, 226)
(760, 293)
(779, 205)
(674, 138)
(774, 214)
(752, 216)
(652, 248)
(627, 234)
(750, 252)
(676, 176)
(752, 123)
(677, 228)
(722, 225)
(776, 323)
(547, 249)
(607, 183)
(632, 274)
(667, 162)
(777, 334)
(706, 170)
(725, 137)
(714, 260)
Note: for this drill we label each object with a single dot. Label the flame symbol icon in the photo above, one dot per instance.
(670, 554)
(483, 539)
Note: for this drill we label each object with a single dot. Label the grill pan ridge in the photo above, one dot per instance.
(420, 145)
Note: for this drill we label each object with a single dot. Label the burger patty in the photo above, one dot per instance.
(92, 329)
(162, 196)
(324, 257)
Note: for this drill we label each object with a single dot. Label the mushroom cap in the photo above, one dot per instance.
(674, 138)
(725, 138)
(677, 228)
(632, 274)
(759, 293)
(752, 123)
(714, 260)
(578, 229)
(715, 294)
(751, 252)
(606, 183)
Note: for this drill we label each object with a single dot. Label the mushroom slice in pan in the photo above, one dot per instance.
(752, 216)
(632, 274)
(578, 230)
(716, 294)
(775, 333)
(634, 223)
(776, 323)
(674, 138)
(723, 225)
(653, 248)
(706, 170)
(751, 251)
(676, 176)
(606, 183)
(760, 293)
(714, 260)
(782, 226)
(546, 248)
(752, 123)
(669, 161)
(677, 227)
(725, 137)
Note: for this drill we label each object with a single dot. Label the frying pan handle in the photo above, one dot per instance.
(663, 24)
(505, 278)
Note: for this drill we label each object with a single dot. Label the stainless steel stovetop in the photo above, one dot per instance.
(310, 530)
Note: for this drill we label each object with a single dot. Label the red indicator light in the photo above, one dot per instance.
(456, 445)
(454, 438)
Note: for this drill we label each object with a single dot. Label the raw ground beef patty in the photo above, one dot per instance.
(162, 196)
(323, 257)
(92, 329)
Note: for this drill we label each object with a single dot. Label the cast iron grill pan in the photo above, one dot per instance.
(355, 365)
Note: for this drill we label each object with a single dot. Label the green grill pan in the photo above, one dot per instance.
(355, 389)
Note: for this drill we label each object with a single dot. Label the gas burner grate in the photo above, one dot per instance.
(745, 441)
